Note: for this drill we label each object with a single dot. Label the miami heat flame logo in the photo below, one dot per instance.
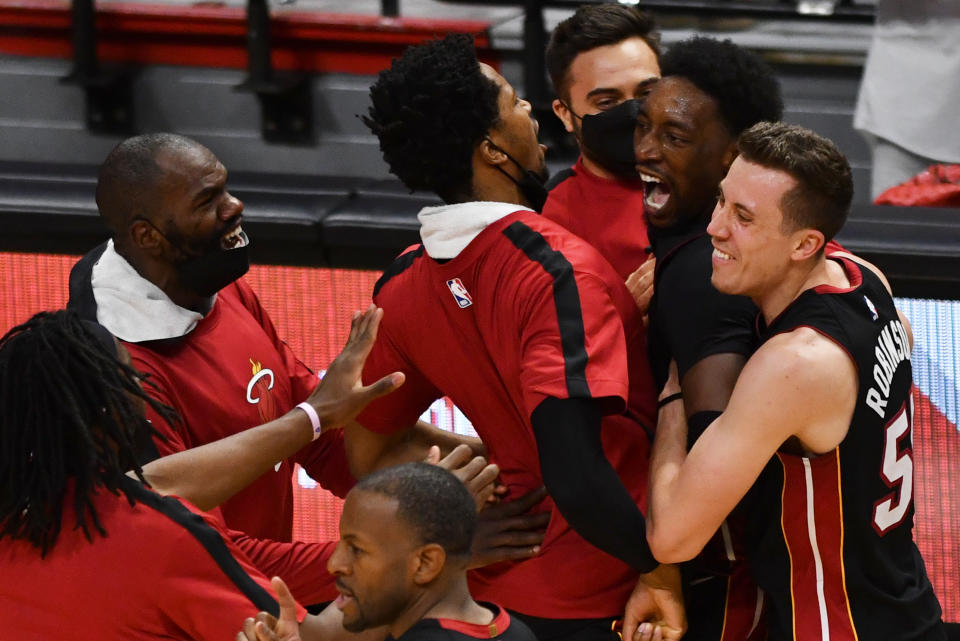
(259, 392)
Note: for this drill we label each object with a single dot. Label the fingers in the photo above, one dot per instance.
(433, 455)
(456, 458)
(248, 633)
(288, 606)
(517, 506)
(384, 386)
(264, 633)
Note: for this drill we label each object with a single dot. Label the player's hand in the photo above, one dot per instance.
(341, 395)
(640, 284)
(473, 471)
(655, 610)
(267, 627)
(508, 531)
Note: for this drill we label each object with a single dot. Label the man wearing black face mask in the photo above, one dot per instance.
(530, 333)
(601, 60)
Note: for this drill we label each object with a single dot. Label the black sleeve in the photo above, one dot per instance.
(583, 484)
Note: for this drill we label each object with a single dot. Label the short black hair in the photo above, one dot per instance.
(69, 412)
(432, 501)
(128, 174)
(592, 26)
(821, 198)
(429, 110)
(742, 84)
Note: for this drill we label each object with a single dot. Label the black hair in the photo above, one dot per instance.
(592, 26)
(432, 501)
(429, 110)
(742, 84)
(821, 198)
(69, 416)
(129, 173)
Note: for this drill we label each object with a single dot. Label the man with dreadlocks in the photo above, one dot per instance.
(532, 328)
(81, 539)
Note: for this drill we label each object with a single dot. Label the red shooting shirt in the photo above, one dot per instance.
(164, 571)
(526, 311)
(230, 373)
(607, 213)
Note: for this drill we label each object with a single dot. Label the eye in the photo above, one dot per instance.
(675, 139)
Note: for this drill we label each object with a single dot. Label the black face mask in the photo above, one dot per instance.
(531, 184)
(608, 137)
(213, 269)
(208, 273)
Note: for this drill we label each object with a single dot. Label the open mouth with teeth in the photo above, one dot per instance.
(234, 239)
(656, 193)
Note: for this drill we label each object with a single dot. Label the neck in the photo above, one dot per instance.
(819, 271)
(165, 278)
(595, 168)
(492, 186)
(450, 600)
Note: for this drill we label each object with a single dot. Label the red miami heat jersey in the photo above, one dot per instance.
(831, 541)
(526, 311)
(230, 373)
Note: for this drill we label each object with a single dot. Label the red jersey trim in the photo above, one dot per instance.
(499, 625)
(853, 273)
(812, 525)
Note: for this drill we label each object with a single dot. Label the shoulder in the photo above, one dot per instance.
(802, 361)
(400, 264)
(561, 178)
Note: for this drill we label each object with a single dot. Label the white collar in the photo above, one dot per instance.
(131, 307)
(447, 229)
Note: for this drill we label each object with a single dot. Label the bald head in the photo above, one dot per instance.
(129, 177)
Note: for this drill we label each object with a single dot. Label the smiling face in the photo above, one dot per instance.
(752, 246)
(516, 129)
(682, 149)
(195, 210)
(374, 562)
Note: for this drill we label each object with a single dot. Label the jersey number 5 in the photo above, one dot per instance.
(897, 473)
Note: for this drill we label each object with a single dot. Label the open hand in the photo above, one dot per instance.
(341, 395)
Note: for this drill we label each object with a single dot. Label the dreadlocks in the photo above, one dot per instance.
(70, 413)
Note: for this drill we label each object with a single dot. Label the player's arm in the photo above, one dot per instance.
(210, 474)
(796, 385)
(582, 482)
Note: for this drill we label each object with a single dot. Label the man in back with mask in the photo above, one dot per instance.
(600, 61)
(529, 331)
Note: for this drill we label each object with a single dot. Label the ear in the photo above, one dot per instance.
(490, 154)
(563, 114)
(807, 243)
(145, 237)
(429, 563)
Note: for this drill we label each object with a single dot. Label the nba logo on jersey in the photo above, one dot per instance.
(871, 307)
(460, 293)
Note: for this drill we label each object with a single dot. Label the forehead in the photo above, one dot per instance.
(622, 65)
(189, 167)
(758, 188)
(372, 516)
(676, 97)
